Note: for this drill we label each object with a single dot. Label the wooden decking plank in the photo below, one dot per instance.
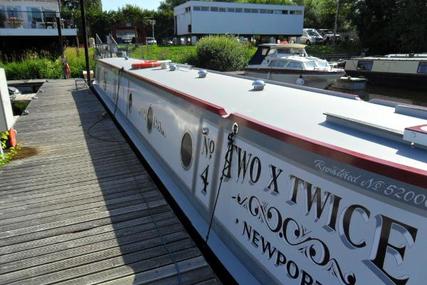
(138, 225)
(85, 230)
(82, 209)
(175, 254)
(198, 274)
(39, 231)
(62, 199)
(105, 184)
(150, 253)
(168, 272)
(145, 233)
(68, 211)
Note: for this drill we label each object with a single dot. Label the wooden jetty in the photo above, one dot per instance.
(80, 208)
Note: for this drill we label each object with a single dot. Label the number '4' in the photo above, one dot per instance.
(204, 177)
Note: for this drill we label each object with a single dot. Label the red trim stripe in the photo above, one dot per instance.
(418, 129)
(393, 170)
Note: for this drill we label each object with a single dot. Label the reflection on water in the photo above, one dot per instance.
(415, 97)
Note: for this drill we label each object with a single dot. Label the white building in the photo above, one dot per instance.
(23, 18)
(203, 18)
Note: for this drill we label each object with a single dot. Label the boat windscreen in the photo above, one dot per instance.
(310, 65)
(259, 55)
(292, 51)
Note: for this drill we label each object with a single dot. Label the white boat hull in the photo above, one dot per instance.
(321, 80)
(285, 210)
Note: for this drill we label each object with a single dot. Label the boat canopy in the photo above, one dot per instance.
(265, 50)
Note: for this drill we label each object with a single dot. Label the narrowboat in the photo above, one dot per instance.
(286, 184)
(290, 63)
(407, 71)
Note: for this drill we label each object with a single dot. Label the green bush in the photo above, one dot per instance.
(178, 54)
(36, 67)
(32, 69)
(222, 53)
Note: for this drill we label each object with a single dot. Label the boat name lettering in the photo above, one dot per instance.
(249, 167)
(327, 209)
(279, 259)
(338, 219)
(396, 192)
(157, 123)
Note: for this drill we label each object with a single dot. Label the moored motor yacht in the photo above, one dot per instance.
(290, 63)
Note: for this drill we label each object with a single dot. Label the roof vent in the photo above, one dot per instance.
(173, 67)
(202, 73)
(258, 85)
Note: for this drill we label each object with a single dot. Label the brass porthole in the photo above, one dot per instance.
(130, 103)
(186, 150)
(150, 119)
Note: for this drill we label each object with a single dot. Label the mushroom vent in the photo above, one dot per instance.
(258, 85)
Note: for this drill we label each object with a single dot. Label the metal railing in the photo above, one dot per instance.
(108, 49)
(12, 19)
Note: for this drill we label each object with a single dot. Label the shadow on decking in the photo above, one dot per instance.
(145, 243)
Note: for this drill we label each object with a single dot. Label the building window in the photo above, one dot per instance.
(230, 10)
(205, 8)
(285, 12)
(247, 10)
(188, 9)
(197, 8)
(214, 9)
(189, 28)
(222, 9)
(266, 11)
(365, 65)
(422, 68)
(239, 10)
(254, 10)
(296, 12)
(277, 11)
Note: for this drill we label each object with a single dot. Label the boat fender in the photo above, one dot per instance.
(145, 64)
(300, 80)
(67, 71)
(12, 137)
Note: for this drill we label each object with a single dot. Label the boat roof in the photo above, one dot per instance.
(300, 110)
(279, 46)
(403, 58)
(294, 58)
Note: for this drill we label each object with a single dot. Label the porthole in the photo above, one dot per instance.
(186, 150)
(150, 118)
(130, 103)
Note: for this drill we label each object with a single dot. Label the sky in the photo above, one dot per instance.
(115, 4)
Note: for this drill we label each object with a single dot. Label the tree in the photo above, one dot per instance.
(391, 26)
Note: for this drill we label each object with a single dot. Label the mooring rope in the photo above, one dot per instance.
(227, 167)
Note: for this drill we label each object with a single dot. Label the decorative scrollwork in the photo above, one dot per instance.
(295, 235)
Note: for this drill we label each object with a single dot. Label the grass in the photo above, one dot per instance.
(35, 67)
(179, 54)
(8, 155)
